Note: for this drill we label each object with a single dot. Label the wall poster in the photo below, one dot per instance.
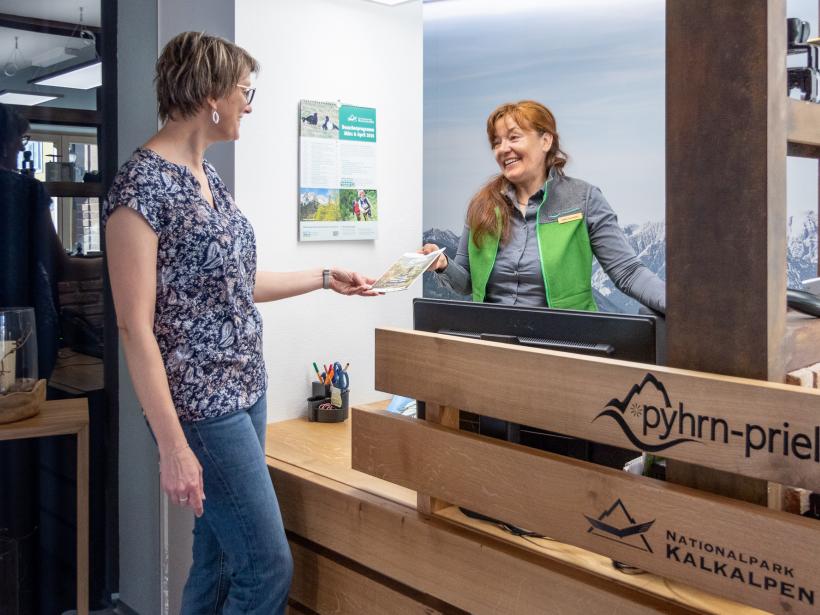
(338, 198)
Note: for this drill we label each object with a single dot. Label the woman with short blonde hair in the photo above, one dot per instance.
(182, 264)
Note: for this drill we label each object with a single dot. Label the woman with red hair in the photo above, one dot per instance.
(531, 231)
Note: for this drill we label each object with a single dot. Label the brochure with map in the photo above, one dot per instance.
(406, 270)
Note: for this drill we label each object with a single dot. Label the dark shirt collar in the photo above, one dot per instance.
(509, 192)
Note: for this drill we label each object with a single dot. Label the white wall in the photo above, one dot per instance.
(360, 53)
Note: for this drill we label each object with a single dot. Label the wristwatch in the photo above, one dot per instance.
(326, 279)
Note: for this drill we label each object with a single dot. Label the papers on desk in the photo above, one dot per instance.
(401, 274)
(402, 405)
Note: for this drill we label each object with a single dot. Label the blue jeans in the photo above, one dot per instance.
(242, 561)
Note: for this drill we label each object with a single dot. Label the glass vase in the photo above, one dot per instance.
(18, 350)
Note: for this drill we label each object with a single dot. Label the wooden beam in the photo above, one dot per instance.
(59, 115)
(483, 574)
(44, 26)
(74, 189)
(725, 186)
(715, 421)
(726, 148)
(672, 531)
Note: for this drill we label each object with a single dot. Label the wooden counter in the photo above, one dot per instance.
(360, 546)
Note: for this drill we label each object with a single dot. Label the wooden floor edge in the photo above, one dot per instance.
(395, 587)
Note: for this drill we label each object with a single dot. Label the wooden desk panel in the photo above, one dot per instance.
(466, 563)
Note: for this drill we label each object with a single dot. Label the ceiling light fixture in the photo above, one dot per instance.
(52, 56)
(13, 65)
(28, 99)
(79, 77)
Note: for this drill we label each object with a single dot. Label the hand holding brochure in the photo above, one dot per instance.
(401, 274)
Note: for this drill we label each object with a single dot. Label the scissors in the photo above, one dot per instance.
(340, 378)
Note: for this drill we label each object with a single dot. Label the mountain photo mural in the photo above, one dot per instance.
(606, 88)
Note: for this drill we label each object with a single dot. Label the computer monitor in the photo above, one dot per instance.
(628, 337)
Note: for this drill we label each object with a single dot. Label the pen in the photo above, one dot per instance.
(346, 366)
(330, 376)
(316, 369)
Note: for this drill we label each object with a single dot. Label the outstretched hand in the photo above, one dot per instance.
(438, 265)
(351, 283)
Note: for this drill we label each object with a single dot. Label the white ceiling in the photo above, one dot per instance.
(56, 10)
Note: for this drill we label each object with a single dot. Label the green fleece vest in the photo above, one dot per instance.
(566, 260)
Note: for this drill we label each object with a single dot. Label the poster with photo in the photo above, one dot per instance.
(338, 197)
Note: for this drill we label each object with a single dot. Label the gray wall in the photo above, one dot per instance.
(138, 476)
(214, 17)
(155, 539)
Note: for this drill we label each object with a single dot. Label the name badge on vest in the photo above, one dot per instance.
(571, 217)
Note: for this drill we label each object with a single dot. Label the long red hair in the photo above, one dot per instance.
(481, 217)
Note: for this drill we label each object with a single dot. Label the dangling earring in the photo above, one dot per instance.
(215, 117)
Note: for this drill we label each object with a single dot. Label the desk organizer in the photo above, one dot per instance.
(321, 395)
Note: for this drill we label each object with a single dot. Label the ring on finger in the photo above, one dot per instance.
(184, 499)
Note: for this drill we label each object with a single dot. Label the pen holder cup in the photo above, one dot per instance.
(320, 389)
(318, 413)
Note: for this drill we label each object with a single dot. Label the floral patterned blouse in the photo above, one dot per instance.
(206, 323)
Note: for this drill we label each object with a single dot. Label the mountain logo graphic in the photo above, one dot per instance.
(617, 409)
(616, 524)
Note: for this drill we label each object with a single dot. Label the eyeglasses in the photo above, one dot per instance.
(248, 91)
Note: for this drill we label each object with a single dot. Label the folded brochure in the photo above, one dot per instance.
(401, 274)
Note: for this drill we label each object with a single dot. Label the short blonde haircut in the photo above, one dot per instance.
(195, 66)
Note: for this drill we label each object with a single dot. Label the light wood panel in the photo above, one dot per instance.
(83, 494)
(324, 449)
(446, 416)
(472, 571)
(326, 586)
(802, 345)
(804, 124)
(56, 418)
(697, 599)
(578, 396)
(670, 530)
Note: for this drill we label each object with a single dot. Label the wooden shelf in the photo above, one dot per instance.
(803, 129)
(75, 189)
(59, 115)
